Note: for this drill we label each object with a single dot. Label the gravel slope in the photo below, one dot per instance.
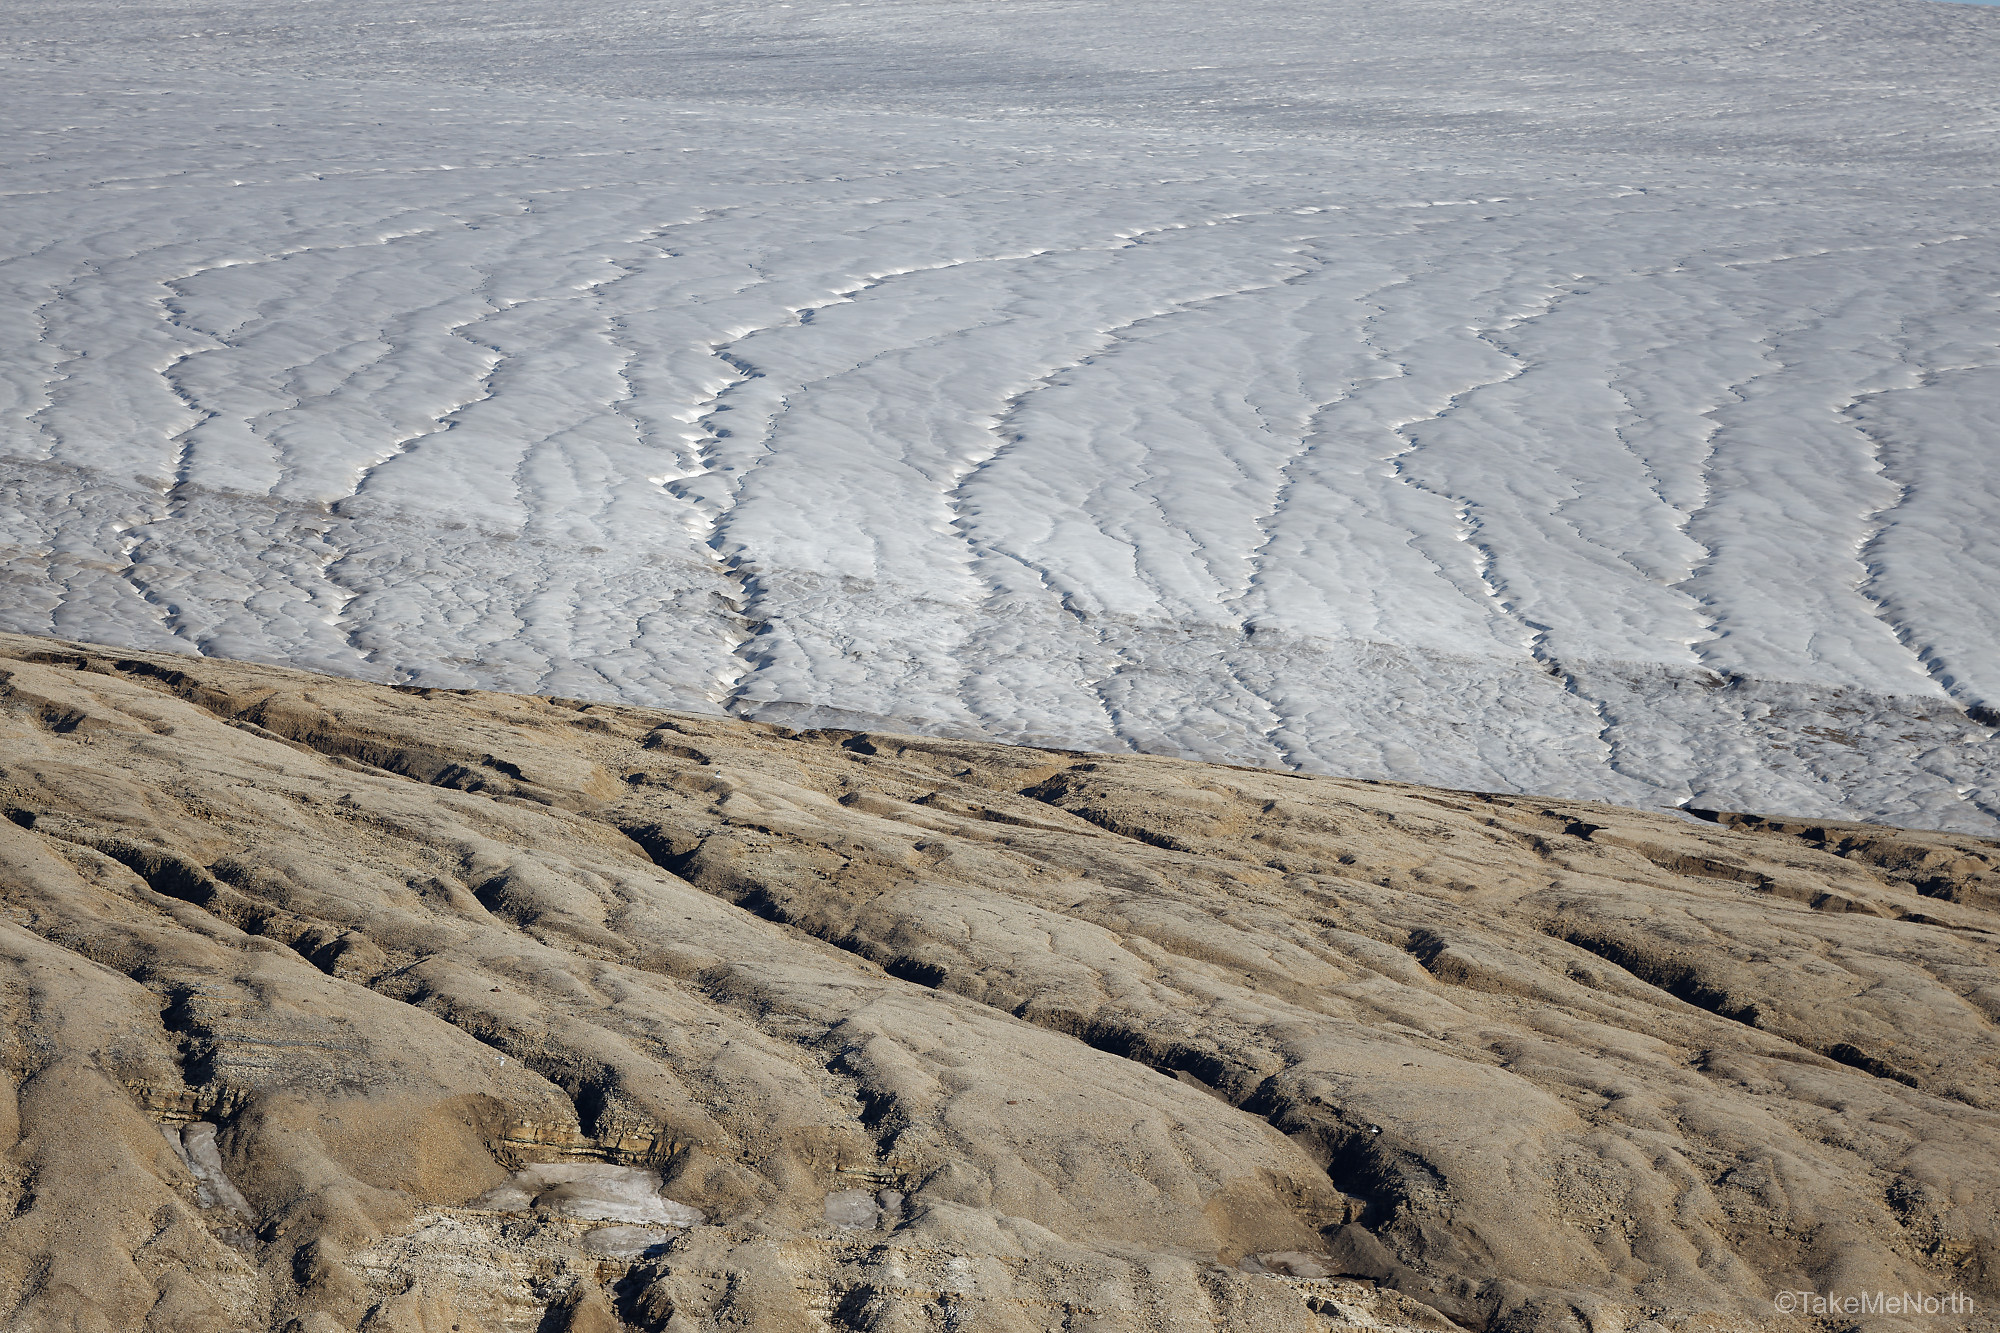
(501, 1012)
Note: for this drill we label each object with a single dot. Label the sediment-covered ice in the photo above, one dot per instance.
(591, 1191)
(1601, 401)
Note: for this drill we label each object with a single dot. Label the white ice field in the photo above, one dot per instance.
(1598, 399)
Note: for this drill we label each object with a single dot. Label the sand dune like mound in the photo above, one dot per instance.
(332, 1005)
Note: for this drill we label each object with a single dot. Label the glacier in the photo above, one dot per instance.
(1600, 401)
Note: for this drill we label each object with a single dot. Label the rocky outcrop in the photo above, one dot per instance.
(338, 1006)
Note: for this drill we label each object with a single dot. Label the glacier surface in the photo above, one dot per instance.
(1596, 400)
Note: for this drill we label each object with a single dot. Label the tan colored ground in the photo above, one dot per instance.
(1070, 1041)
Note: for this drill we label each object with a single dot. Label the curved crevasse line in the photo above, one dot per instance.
(1691, 525)
(1689, 522)
(1469, 527)
(406, 320)
(1767, 343)
(1618, 384)
(182, 441)
(365, 471)
(1484, 558)
(1880, 520)
(1000, 425)
(39, 420)
(289, 474)
(615, 329)
(1608, 734)
(1868, 571)
(735, 564)
(496, 359)
(743, 371)
(620, 406)
(1312, 264)
(710, 513)
(707, 515)
(331, 565)
(1310, 439)
(494, 356)
(176, 316)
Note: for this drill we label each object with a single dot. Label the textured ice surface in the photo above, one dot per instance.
(625, 1242)
(853, 1210)
(591, 1191)
(1600, 400)
(195, 1145)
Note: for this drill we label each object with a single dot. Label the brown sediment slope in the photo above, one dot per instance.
(335, 1006)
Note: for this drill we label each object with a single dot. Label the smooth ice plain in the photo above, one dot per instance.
(1599, 400)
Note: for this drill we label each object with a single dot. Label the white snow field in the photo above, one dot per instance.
(1592, 399)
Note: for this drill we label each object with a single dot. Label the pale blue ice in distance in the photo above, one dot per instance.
(1595, 400)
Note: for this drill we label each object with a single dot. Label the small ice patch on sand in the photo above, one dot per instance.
(625, 1242)
(851, 1210)
(1288, 1263)
(590, 1191)
(196, 1147)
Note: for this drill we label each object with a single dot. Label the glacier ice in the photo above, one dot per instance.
(1602, 400)
(591, 1191)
